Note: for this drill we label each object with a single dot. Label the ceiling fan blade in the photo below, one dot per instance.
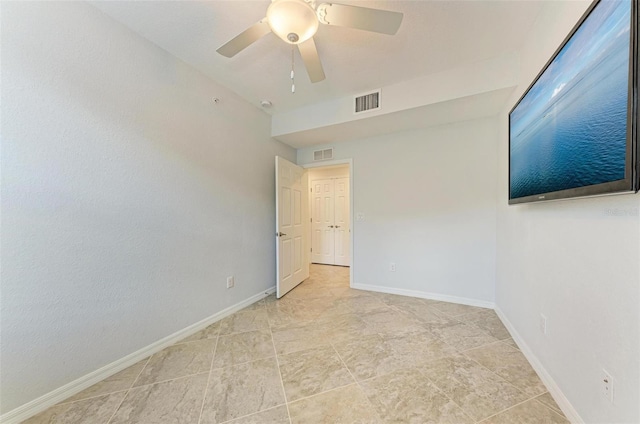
(245, 39)
(311, 60)
(376, 20)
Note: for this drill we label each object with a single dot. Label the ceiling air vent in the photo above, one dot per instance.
(367, 102)
(323, 154)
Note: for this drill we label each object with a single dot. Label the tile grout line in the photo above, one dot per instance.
(504, 379)
(179, 342)
(438, 338)
(242, 363)
(206, 389)
(129, 389)
(482, 366)
(315, 394)
(65, 402)
(449, 344)
(464, 411)
(252, 414)
(485, 345)
(141, 371)
(505, 410)
(398, 309)
(243, 332)
(324, 392)
(164, 381)
(549, 407)
(91, 397)
(358, 383)
(141, 386)
(510, 345)
(355, 380)
(284, 393)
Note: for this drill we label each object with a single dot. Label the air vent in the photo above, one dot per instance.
(367, 102)
(323, 154)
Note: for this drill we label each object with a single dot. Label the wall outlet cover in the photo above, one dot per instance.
(607, 386)
(543, 324)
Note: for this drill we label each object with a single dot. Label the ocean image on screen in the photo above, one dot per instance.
(570, 129)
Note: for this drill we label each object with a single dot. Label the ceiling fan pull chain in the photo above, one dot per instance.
(293, 81)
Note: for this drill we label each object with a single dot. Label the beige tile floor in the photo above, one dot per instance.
(328, 354)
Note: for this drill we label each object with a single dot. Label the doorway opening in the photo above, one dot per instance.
(331, 217)
(293, 220)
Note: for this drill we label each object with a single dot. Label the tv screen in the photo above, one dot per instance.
(574, 131)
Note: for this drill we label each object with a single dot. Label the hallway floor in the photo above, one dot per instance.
(326, 353)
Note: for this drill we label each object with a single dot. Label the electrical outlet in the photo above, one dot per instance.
(360, 216)
(230, 282)
(607, 386)
(543, 324)
(392, 267)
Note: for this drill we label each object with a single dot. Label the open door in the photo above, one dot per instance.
(292, 226)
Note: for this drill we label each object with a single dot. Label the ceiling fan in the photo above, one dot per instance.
(296, 21)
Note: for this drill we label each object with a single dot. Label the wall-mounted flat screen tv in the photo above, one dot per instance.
(574, 132)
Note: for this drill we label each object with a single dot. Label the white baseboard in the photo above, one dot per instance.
(38, 405)
(425, 295)
(562, 401)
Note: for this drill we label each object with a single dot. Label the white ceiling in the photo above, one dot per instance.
(434, 36)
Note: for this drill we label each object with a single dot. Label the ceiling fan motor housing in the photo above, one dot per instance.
(294, 21)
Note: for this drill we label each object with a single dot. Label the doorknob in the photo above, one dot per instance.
(330, 226)
(337, 226)
(280, 234)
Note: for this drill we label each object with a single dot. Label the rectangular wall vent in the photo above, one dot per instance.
(367, 102)
(323, 154)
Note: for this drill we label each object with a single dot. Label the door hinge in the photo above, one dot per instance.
(310, 219)
(311, 250)
(311, 189)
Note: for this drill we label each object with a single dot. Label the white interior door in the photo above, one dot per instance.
(330, 221)
(323, 237)
(292, 220)
(341, 221)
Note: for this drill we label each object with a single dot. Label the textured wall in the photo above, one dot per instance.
(127, 196)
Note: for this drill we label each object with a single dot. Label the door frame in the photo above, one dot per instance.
(349, 162)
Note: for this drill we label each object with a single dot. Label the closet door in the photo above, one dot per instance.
(323, 234)
(341, 221)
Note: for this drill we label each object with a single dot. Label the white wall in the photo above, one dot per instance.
(578, 263)
(429, 200)
(127, 196)
(328, 172)
(406, 105)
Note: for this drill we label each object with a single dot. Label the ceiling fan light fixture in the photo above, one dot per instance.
(297, 17)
